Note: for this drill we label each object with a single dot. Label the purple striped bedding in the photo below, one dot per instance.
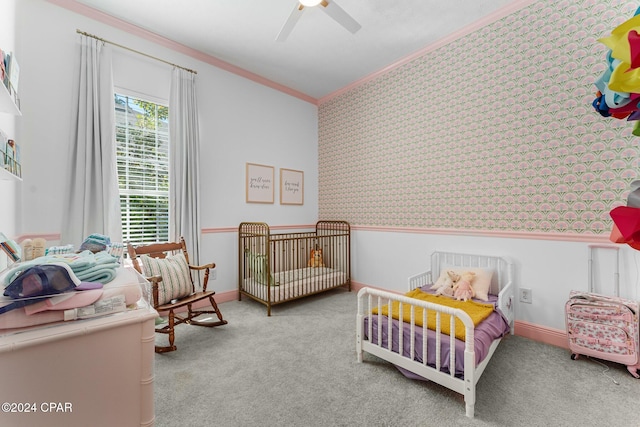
(492, 328)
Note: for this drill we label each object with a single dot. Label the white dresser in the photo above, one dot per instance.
(91, 372)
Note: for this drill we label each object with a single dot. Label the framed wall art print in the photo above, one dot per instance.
(259, 183)
(291, 187)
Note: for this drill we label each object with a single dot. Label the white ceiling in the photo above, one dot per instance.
(319, 57)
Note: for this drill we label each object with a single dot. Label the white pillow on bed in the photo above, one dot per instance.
(481, 282)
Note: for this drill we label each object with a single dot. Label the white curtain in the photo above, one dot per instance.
(92, 201)
(184, 169)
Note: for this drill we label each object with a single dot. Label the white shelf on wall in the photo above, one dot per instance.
(5, 175)
(7, 105)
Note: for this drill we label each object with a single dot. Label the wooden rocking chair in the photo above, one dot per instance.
(173, 290)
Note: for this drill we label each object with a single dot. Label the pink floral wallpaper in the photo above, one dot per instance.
(494, 131)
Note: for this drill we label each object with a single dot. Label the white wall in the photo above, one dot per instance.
(240, 121)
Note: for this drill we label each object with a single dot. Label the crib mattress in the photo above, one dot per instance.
(126, 282)
(493, 327)
(291, 284)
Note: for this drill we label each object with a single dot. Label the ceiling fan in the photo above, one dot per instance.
(329, 7)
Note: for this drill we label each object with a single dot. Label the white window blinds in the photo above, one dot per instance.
(142, 152)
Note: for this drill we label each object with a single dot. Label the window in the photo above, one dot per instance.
(142, 154)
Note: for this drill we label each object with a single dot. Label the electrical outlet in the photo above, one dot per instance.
(214, 274)
(526, 295)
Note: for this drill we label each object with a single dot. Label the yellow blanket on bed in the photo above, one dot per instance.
(477, 311)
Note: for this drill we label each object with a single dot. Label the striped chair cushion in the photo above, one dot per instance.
(176, 281)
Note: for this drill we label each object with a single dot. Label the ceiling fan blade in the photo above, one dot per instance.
(340, 16)
(291, 21)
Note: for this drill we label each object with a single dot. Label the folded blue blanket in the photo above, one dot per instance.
(103, 273)
(87, 266)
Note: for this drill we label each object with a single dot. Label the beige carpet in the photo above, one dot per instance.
(298, 368)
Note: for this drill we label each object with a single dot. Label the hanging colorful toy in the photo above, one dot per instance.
(618, 93)
(618, 96)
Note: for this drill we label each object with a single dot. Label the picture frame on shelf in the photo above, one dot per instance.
(3, 72)
(11, 157)
(16, 152)
(14, 75)
(3, 149)
(11, 154)
(7, 69)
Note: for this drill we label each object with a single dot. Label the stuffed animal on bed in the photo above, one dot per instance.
(462, 290)
(445, 283)
(316, 258)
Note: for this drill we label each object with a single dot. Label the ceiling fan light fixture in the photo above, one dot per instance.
(310, 3)
(331, 8)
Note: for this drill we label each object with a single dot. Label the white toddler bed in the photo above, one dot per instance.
(379, 334)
